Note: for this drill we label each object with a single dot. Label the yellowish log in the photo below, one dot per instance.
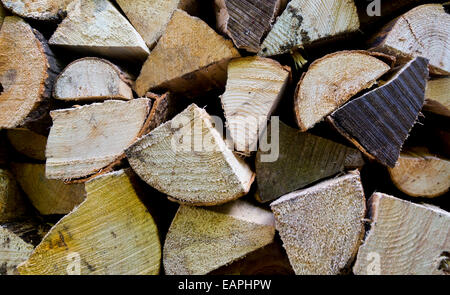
(28, 143)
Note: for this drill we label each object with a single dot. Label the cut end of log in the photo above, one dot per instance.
(321, 227)
(215, 237)
(198, 58)
(13, 250)
(187, 159)
(438, 96)
(43, 10)
(77, 245)
(331, 81)
(28, 143)
(404, 238)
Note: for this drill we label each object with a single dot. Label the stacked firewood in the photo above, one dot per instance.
(224, 137)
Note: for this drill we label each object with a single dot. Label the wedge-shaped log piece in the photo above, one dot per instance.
(49, 197)
(303, 159)
(13, 251)
(438, 96)
(150, 17)
(247, 22)
(13, 205)
(322, 226)
(187, 159)
(93, 79)
(304, 22)
(97, 27)
(404, 239)
(331, 81)
(420, 174)
(379, 121)
(42, 10)
(198, 58)
(86, 139)
(422, 31)
(111, 232)
(201, 240)
(24, 90)
(255, 85)
(27, 143)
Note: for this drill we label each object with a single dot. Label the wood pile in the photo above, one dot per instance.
(252, 137)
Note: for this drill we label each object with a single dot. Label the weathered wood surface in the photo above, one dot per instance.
(150, 17)
(28, 143)
(42, 10)
(422, 31)
(97, 27)
(404, 239)
(25, 90)
(303, 159)
(111, 232)
(438, 96)
(254, 87)
(87, 139)
(48, 196)
(93, 79)
(421, 174)
(201, 240)
(332, 80)
(187, 159)
(247, 22)
(379, 121)
(322, 226)
(304, 22)
(13, 205)
(198, 58)
(13, 251)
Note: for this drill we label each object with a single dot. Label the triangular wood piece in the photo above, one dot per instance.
(93, 79)
(42, 10)
(27, 143)
(438, 96)
(13, 205)
(304, 22)
(422, 31)
(379, 121)
(150, 17)
(111, 232)
(322, 226)
(187, 159)
(404, 239)
(255, 85)
(198, 58)
(331, 81)
(201, 240)
(24, 90)
(84, 140)
(247, 22)
(421, 174)
(97, 27)
(303, 159)
(49, 197)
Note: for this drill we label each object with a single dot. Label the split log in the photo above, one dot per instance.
(303, 159)
(438, 96)
(111, 232)
(97, 27)
(49, 197)
(379, 121)
(93, 79)
(247, 22)
(24, 90)
(90, 139)
(304, 22)
(150, 17)
(43, 10)
(187, 159)
(198, 58)
(254, 87)
(28, 143)
(13, 205)
(13, 251)
(420, 174)
(413, 34)
(331, 81)
(404, 239)
(201, 240)
(322, 226)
